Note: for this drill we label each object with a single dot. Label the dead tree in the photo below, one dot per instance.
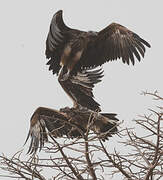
(88, 156)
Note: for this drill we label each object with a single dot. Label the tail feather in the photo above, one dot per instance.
(108, 125)
(110, 116)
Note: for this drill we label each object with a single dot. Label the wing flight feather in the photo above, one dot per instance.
(79, 87)
(68, 122)
(112, 43)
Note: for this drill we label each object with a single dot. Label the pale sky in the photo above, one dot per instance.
(26, 82)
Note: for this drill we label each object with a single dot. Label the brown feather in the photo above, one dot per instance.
(117, 42)
(91, 49)
(79, 88)
(70, 122)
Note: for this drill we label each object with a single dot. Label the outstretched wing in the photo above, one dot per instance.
(67, 122)
(45, 121)
(79, 87)
(59, 35)
(113, 42)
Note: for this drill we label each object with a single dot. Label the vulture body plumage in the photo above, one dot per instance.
(73, 50)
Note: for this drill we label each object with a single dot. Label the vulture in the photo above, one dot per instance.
(68, 122)
(70, 50)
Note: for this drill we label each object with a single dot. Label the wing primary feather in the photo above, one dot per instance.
(142, 40)
(56, 41)
(140, 44)
(134, 50)
(113, 42)
(130, 53)
(139, 49)
(131, 56)
(124, 54)
(30, 147)
(27, 137)
(125, 51)
(56, 33)
(118, 39)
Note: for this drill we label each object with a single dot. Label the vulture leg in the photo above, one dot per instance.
(64, 74)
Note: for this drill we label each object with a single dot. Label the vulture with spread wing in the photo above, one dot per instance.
(72, 50)
(73, 54)
(69, 122)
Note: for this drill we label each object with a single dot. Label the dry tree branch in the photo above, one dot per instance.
(20, 168)
(147, 156)
(78, 176)
(157, 155)
(91, 159)
(116, 165)
(87, 153)
(154, 95)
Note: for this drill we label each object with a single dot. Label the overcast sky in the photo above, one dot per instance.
(26, 82)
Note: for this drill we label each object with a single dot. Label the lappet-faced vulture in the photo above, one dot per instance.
(73, 50)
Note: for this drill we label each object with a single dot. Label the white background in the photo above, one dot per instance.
(26, 83)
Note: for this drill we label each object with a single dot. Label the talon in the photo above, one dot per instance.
(64, 77)
(64, 74)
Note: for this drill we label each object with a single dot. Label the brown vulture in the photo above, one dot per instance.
(72, 50)
(69, 122)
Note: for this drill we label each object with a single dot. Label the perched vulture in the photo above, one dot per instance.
(69, 122)
(72, 50)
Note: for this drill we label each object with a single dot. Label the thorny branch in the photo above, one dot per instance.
(90, 158)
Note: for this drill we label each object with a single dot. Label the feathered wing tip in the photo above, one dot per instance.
(59, 22)
(39, 136)
(69, 122)
(55, 42)
(45, 121)
(55, 35)
(112, 43)
(87, 78)
(54, 66)
(37, 132)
